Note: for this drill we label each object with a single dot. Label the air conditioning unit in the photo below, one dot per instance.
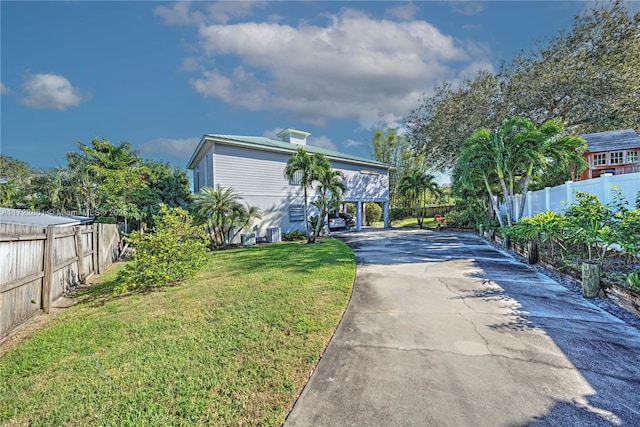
(248, 239)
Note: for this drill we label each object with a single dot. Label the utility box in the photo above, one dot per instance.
(248, 239)
(273, 235)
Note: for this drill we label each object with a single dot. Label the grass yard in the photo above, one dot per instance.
(233, 346)
(413, 223)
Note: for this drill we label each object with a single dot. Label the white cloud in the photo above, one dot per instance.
(322, 141)
(353, 143)
(176, 148)
(177, 14)
(4, 89)
(355, 67)
(180, 13)
(466, 7)
(50, 91)
(404, 12)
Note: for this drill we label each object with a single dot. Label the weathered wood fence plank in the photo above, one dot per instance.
(39, 265)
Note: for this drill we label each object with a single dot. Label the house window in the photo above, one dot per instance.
(297, 179)
(632, 157)
(617, 157)
(296, 213)
(599, 159)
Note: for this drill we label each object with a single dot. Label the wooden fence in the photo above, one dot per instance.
(39, 265)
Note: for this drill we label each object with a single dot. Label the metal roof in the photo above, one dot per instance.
(268, 143)
(612, 140)
(38, 219)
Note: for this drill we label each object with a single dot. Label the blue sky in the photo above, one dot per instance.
(159, 75)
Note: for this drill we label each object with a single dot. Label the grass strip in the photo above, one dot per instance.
(232, 346)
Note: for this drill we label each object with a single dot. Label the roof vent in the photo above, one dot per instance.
(293, 136)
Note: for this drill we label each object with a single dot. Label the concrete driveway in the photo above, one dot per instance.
(444, 330)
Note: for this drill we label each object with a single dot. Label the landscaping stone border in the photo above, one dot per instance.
(621, 302)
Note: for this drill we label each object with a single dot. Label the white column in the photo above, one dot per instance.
(359, 212)
(385, 213)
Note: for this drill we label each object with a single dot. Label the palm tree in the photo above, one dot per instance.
(330, 189)
(514, 153)
(474, 171)
(415, 187)
(221, 212)
(307, 167)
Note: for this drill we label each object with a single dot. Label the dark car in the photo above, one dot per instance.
(349, 220)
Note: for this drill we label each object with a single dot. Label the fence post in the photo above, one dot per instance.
(606, 186)
(570, 195)
(96, 259)
(80, 254)
(547, 198)
(49, 254)
(529, 204)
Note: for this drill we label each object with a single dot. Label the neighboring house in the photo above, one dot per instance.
(254, 168)
(613, 152)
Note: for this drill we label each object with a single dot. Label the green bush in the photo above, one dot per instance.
(468, 214)
(173, 252)
(294, 235)
(373, 213)
(398, 214)
(105, 220)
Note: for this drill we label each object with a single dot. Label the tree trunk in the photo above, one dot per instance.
(590, 279)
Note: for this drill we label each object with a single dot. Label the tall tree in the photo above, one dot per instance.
(512, 153)
(120, 174)
(330, 188)
(305, 168)
(587, 78)
(15, 181)
(416, 186)
(444, 119)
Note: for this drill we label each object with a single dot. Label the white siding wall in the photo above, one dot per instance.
(370, 186)
(258, 177)
(203, 173)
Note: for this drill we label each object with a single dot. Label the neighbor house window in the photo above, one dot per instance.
(617, 157)
(632, 157)
(599, 159)
(297, 179)
(296, 213)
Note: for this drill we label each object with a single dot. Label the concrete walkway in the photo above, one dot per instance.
(444, 330)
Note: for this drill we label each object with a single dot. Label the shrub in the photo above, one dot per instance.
(468, 214)
(373, 213)
(105, 220)
(173, 252)
(398, 214)
(589, 222)
(294, 235)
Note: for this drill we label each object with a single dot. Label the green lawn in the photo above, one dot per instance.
(413, 223)
(233, 346)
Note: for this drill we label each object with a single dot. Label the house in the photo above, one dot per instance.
(613, 152)
(254, 168)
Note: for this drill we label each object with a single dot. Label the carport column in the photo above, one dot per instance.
(385, 214)
(358, 216)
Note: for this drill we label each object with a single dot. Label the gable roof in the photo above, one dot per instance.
(612, 140)
(263, 143)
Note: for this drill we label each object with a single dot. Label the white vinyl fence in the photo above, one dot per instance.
(560, 197)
